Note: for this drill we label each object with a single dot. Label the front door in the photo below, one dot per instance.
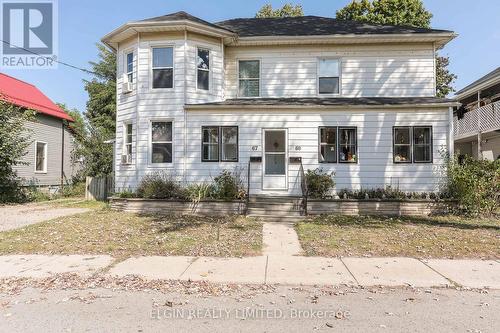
(274, 175)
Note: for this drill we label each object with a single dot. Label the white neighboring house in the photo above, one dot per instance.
(273, 94)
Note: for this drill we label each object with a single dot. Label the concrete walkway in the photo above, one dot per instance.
(272, 269)
(280, 239)
(18, 216)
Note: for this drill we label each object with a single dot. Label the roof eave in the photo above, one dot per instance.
(466, 92)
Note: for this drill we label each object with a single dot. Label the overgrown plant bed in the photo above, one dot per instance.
(123, 235)
(420, 237)
(179, 207)
(383, 207)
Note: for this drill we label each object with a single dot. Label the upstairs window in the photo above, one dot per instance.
(40, 157)
(348, 145)
(163, 67)
(203, 69)
(219, 143)
(161, 142)
(249, 78)
(130, 67)
(127, 144)
(328, 76)
(412, 144)
(422, 144)
(328, 144)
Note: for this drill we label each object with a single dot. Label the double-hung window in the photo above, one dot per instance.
(40, 156)
(348, 145)
(329, 76)
(203, 69)
(161, 142)
(412, 144)
(127, 144)
(249, 78)
(328, 144)
(129, 67)
(219, 143)
(163, 67)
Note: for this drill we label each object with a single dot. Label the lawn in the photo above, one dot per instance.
(434, 237)
(122, 235)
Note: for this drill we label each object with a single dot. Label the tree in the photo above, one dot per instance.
(14, 141)
(288, 10)
(101, 106)
(400, 12)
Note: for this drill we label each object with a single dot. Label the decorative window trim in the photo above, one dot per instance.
(410, 134)
(326, 144)
(220, 144)
(259, 78)
(209, 70)
(44, 157)
(412, 145)
(150, 145)
(152, 68)
(318, 76)
(340, 128)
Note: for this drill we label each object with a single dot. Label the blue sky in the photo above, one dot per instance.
(82, 23)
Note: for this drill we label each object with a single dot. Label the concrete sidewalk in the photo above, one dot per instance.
(272, 269)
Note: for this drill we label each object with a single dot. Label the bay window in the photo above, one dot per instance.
(129, 67)
(127, 144)
(163, 67)
(249, 78)
(203, 69)
(161, 142)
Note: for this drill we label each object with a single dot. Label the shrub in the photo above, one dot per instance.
(474, 184)
(319, 183)
(388, 192)
(126, 194)
(228, 186)
(73, 190)
(198, 192)
(160, 185)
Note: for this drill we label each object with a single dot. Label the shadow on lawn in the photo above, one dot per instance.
(375, 222)
(173, 223)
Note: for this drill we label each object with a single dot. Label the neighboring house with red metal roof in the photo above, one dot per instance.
(49, 154)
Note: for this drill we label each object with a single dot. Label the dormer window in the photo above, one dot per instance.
(203, 69)
(163, 67)
(249, 78)
(329, 76)
(130, 67)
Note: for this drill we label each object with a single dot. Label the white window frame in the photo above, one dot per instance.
(318, 60)
(209, 68)
(260, 77)
(150, 145)
(151, 68)
(125, 143)
(44, 158)
(127, 73)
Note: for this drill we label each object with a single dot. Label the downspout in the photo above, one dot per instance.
(62, 156)
(451, 148)
(184, 109)
(137, 100)
(435, 67)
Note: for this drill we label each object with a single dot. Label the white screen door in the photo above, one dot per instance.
(275, 160)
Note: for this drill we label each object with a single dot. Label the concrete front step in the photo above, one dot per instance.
(274, 199)
(278, 218)
(275, 211)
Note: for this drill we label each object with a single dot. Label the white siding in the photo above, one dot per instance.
(392, 70)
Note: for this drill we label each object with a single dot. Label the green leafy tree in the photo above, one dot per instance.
(14, 141)
(101, 106)
(400, 12)
(288, 10)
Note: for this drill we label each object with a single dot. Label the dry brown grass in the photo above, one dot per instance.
(124, 235)
(436, 237)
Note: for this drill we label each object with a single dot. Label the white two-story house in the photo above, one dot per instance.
(275, 94)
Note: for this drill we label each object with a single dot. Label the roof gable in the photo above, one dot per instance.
(28, 96)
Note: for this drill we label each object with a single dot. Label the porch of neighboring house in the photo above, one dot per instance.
(477, 132)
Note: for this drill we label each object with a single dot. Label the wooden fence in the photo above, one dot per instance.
(99, 188)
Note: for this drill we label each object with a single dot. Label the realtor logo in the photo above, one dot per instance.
(28, 34)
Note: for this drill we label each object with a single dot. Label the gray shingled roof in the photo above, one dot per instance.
(181, 16)
(476, 83)
(335, 101)
(312, 26)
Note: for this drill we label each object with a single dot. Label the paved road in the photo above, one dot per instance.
(357, 310)
(17, 216)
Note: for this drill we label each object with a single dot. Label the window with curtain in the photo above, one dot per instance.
(348, 145)
(328, 144)
(161, 142)
(163, 67)
(229, 138)
(249, 78)
(203, 69)
(329, 76)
